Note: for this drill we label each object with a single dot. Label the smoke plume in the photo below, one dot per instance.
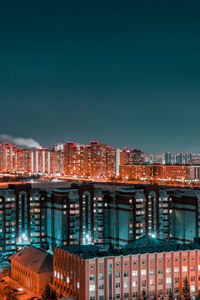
(19, 141)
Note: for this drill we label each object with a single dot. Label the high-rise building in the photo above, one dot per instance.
(22, 217)
(167, 158)
(84, 214)
(118, 154)
(7, 158)
(131, 156)
(95, 160)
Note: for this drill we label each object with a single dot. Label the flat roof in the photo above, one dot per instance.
(143, 245)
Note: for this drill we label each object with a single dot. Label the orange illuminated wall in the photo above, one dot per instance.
(158, 274)
(154, 172)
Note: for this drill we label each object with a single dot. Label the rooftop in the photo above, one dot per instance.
(145, 244)
(34, 259)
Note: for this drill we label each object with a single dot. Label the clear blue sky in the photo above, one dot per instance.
(124, 72)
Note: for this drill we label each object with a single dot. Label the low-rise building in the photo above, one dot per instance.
(147, 266)
(32, 268)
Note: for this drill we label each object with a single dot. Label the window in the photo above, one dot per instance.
(92, 288)
(134, 283)
(100, 276)
(168, 270)
(125, 274)
(176, 280)
(151, 282)
(184, 268)
(176, 270)
(134, 273)
(160, 271)
(117, 274)
(91, 277)
(192, 288)
(168, 280)
(134, 294)
(143, 283)
(151, 271)
(117, 285)
(101, 287)
(143, 272)
(125, 285)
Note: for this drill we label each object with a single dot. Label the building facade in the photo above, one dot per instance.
(32, 268)
(148, 266)
(85, 214)
(22, 217)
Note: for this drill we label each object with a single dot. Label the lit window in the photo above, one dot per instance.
(192, 288)
(176, 270)
(168, 270)
(143, 272)
(184, 268)
(134, 283)
(92, 288)
(134, 273)
(168, 280)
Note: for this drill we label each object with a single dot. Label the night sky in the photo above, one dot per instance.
(126, 73)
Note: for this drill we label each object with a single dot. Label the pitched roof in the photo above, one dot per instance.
(34, 259)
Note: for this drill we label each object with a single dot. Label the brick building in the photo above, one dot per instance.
(148, 266)
(32, 268)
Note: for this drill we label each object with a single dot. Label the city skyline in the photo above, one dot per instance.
(125, 74)
(100, 150)
(29, 143)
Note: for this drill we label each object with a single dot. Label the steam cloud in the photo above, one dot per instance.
(19, 141)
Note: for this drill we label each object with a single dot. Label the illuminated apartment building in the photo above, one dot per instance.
(154, 172)
(40, 161)
(70, 158)
(7, 157)
(131, 156)
(57, 162)
(98, 160)
(84, 214)
(94, 160)
(75, 215)
(22, 161)
(111, 162)
(146, 267)
(22, 217)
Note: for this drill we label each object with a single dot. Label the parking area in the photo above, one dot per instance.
(8, 284)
